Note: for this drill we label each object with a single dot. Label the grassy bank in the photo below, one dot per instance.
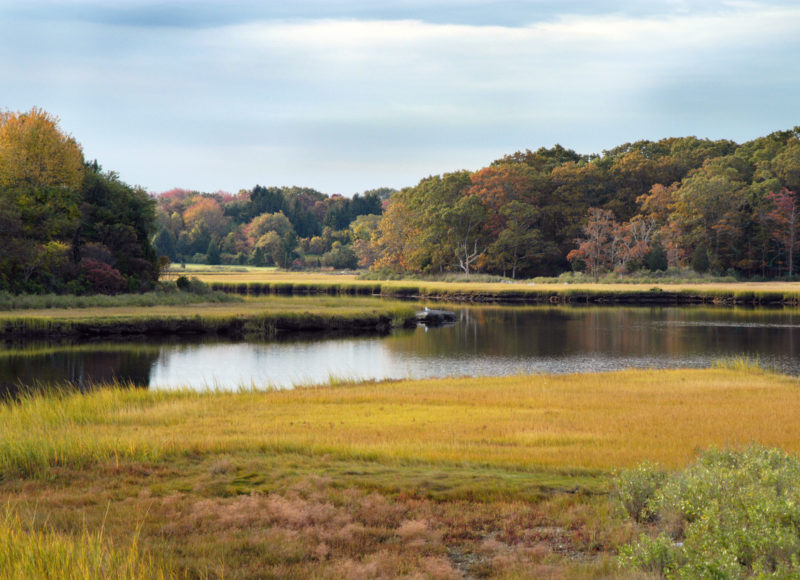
(501, 477)
(264, 317)
(62, 301)
(257, 282)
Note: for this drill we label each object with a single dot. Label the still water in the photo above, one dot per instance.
(485, 341)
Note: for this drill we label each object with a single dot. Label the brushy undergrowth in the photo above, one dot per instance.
(732, 514)
(28, 553)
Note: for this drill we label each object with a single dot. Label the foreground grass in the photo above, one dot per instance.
(27, 553)
(501, 477)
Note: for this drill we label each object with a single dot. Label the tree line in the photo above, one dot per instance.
(712, 205)
(66, 225)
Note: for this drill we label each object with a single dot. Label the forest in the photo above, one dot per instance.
(68, 226)
(713, 206)
(679, 202)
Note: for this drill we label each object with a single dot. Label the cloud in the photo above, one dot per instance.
(346, 103)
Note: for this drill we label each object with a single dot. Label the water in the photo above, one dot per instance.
(485, 341)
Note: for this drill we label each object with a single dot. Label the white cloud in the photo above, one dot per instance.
(346, 104)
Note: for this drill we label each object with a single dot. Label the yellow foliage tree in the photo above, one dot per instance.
(41, 172)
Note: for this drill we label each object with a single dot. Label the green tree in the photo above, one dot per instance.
(165, 244)
(122, 218)
(656, 258)
(700, 262)
(212, 253)
(520, 246)
(340, 257)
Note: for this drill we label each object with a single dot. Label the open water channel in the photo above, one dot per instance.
(488, 340)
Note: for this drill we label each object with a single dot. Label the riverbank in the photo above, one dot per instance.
(264, 317)
(267, 282)
(497, 477)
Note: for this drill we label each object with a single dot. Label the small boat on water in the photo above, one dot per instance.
(430, 317)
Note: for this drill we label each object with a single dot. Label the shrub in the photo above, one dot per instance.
(636, 490)
(192, 285)
(102, 278)
(730, 515)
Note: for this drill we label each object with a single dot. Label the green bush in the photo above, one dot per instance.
(730, 515)
(636, 490)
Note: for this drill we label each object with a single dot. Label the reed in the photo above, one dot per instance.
(11, 302)
(28, 552)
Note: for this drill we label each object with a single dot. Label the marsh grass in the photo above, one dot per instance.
(58, 301)
(739, 363)
(264, 315)
(256, 283)
(501, 477)
(573, 424)
(30, 552)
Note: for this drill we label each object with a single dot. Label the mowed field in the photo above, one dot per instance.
(474, 477)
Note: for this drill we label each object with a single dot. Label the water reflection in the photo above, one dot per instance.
(485, 341)
(39, 364)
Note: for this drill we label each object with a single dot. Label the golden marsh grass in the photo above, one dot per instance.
(253, 306)
(434, 478)
(574, 422)
(270, 280)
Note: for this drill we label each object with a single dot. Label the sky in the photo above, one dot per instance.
(358, 94)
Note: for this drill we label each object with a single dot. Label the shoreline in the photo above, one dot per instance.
(653, 295)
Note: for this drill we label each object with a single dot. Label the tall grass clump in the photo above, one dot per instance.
(732, 514)
(738, 363)
(30, 553)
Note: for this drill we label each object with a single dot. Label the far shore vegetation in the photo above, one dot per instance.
(640, 211)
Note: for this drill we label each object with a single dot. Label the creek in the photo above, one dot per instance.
(485, 341)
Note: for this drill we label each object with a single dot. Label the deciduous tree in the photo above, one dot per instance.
(785, 217)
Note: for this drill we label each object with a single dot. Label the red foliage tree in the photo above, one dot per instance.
(785, 218)
(101, 277)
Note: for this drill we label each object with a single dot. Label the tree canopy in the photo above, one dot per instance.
(65, 225)
(545, 212)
